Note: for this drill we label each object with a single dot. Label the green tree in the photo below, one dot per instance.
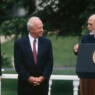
(66, 15)
(11, 20)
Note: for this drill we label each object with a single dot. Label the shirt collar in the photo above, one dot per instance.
(32, 38)
(92, 32)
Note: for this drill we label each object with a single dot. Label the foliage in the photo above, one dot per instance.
(68, 16)
(15, 26)
(5, 60)
(5, 9)
(7, 53)
(10, 19)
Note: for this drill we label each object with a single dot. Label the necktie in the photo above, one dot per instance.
(34, 51)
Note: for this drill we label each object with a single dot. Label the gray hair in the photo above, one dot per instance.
(30, 22)
(92, 17)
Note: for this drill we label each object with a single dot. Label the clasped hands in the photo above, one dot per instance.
(36, 80)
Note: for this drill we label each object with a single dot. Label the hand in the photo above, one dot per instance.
(76, 47)
(40, 79)
(36, 80)
(31, 79)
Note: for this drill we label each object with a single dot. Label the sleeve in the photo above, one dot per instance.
(18, 62)
(85, 38)
(49, 66)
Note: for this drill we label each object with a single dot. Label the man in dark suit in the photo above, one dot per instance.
(87, 85)
(33, 60)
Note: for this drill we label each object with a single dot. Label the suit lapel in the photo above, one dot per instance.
(28, 47)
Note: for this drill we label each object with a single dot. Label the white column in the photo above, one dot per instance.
(75, 87)
(50, 84)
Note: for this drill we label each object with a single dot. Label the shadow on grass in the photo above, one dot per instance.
(62, 88)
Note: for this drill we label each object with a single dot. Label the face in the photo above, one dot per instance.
(91, 24)
(37, 29)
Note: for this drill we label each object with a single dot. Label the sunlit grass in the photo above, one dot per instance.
(62, 50)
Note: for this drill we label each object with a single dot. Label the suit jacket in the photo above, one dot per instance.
(87, 38)
(25, 66)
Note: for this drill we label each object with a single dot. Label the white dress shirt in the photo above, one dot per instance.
(31, 39)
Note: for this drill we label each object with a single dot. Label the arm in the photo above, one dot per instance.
(18, 61)
(49, 62)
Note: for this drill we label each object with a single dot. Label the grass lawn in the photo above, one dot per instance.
(62, 50)
(7, 50)
(62, 88)
(63, 57)
(9, 87)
